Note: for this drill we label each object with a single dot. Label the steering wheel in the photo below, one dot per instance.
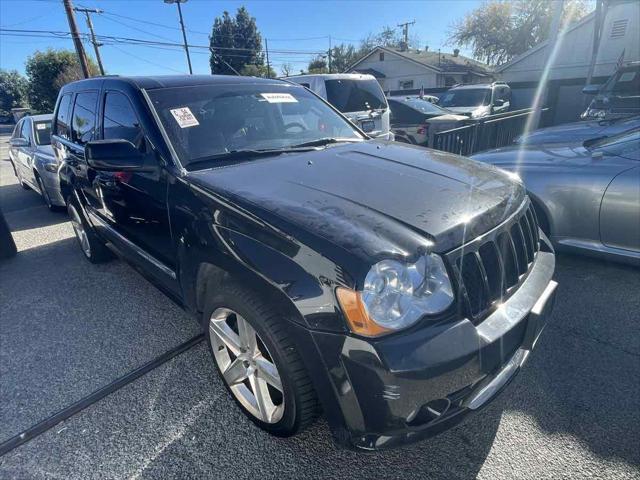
(295, 125)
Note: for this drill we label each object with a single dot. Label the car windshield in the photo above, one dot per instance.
(621, 145)
(355, 95)
(468, 97)
(43, 132)
(209, 121)
(424, 106)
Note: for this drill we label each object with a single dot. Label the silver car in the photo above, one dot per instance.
(586, 194)
(33, 160)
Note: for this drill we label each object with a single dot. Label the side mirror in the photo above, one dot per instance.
(591, 89)
(114, 156)
(498, 102)
(19, 142)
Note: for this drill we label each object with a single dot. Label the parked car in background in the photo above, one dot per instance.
(389, 283)
(586, 194)
(618, 97)
(358, 97)
(33, 160)
(478, 100)
(414, 119)
(580, 131)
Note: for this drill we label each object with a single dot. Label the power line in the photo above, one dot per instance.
(145, 60)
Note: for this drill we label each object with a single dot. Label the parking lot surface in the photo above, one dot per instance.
(573, 412)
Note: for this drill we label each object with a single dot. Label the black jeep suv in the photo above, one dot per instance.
(395, 287)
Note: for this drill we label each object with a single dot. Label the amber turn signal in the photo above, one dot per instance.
(356, 314)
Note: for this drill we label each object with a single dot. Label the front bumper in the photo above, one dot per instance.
(52, 184)
(406, 387)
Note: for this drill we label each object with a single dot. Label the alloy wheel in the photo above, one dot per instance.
(246, 365)
(81, 233)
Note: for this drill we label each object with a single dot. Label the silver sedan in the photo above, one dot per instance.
(33, 160)
(587, 194)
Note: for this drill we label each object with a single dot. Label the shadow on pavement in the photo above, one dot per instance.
(584, 378)
(68, 327)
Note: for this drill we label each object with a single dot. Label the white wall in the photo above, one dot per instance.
(396, 69)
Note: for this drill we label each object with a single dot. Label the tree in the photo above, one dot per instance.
(257, 71)
(343, 56)
(13, 91)
(497, 31)
(235, 43)
(47, 72)
(318, 65)
(286, 69)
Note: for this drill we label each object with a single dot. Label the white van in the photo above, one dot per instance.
(359, 97)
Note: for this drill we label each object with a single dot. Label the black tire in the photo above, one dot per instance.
(300, 401)
(45, 194)
(94, 249)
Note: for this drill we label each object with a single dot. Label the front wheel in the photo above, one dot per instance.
(93, 248)
(258, 362)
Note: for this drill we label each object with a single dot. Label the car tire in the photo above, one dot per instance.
(92, 247)
(44, 193)
(285, 412)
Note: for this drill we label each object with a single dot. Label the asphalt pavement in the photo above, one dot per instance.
(68, 327)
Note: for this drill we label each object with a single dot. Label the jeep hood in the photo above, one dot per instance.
(371, 198)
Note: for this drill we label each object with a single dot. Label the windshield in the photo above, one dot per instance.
(355, 95)
(621, 145)
(472, 97)
(43, 132)
(424, 106)
(210, 120)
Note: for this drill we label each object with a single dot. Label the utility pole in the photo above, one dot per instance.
(184, 35)
(329, 54)
(95, 43)
(405, 32)
(73, 26)
(266, 47)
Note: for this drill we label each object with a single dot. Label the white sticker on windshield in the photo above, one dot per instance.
(41, 126)
(279, 98)
(184, 117)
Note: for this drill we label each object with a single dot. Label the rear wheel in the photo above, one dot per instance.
(93, 248)
(258, 362)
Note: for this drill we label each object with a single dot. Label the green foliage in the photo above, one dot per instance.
(257, 71)
(318, 65)
(236, 43)
(13, 91)
(499, 30)
(47, 72)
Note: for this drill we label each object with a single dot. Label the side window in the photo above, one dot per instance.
(61, 126)
(25, 133)
(120, 120)
(84, 117)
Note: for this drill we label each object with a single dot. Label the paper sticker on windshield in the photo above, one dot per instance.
(279, 97)
(41, 126)
(184, 117)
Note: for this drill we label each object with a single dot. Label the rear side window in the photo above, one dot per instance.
(62, 118)
(120, 120)
(84, 117)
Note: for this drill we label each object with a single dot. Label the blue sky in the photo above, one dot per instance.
(301, 26)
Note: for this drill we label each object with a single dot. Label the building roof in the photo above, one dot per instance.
(442, 62)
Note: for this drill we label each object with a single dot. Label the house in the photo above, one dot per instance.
(412, 69)
(618, 27)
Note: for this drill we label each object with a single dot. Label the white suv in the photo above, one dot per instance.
(359, 97)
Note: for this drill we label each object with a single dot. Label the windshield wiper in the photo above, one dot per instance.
(590, 142)
(323, 141)
(235, 155)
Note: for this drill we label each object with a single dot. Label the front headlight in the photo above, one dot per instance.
(396, 295)
(51, 167)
